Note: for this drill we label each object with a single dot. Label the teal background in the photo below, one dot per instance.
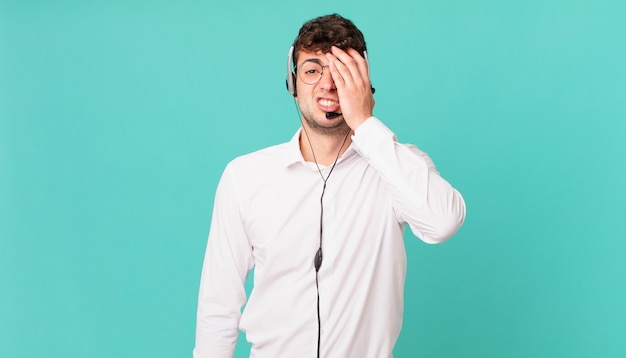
(118, 117)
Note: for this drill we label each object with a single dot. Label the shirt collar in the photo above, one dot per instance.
(293, 154)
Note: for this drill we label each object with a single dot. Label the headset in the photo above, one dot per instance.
(291, 77)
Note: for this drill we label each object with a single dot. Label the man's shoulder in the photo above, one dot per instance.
(262, 159)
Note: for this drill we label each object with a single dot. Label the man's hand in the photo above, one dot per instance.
(351, 76)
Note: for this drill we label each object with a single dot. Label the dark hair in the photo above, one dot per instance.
(323, 32)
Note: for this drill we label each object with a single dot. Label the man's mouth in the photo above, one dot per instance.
(328, 105)
(327, 102)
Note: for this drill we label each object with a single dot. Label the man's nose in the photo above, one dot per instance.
(326, 82)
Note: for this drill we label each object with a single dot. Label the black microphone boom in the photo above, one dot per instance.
(331, 115)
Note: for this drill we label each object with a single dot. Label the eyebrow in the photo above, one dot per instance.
(316, 60)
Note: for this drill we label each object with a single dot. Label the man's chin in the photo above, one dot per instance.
(330, 126)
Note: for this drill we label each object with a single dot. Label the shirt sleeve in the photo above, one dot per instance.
(227, 261)
(433, 209)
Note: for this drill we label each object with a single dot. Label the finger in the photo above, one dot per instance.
(353, 62)
(336, 73)
(342, 75)
(344, 64)
(361, 63)
(355, 69)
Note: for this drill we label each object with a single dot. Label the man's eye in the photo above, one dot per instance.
(312, 72)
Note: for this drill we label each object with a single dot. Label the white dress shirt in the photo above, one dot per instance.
(267, 216)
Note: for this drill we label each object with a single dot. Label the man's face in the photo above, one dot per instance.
(315, 100)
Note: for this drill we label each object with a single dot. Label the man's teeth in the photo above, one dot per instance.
(327, 102)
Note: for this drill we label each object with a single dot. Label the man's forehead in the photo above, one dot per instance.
(317, 53)
(303, 55)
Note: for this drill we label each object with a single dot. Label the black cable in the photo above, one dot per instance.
(317, 262)
(319, 320)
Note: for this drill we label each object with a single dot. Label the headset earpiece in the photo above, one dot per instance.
(291, 77)
(367, 61)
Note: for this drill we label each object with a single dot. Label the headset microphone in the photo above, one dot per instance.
(331, 115)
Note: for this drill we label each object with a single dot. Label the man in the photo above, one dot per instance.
(321, 219)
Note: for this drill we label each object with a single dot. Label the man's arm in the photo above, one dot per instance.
(227, 261)
(421, 197)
